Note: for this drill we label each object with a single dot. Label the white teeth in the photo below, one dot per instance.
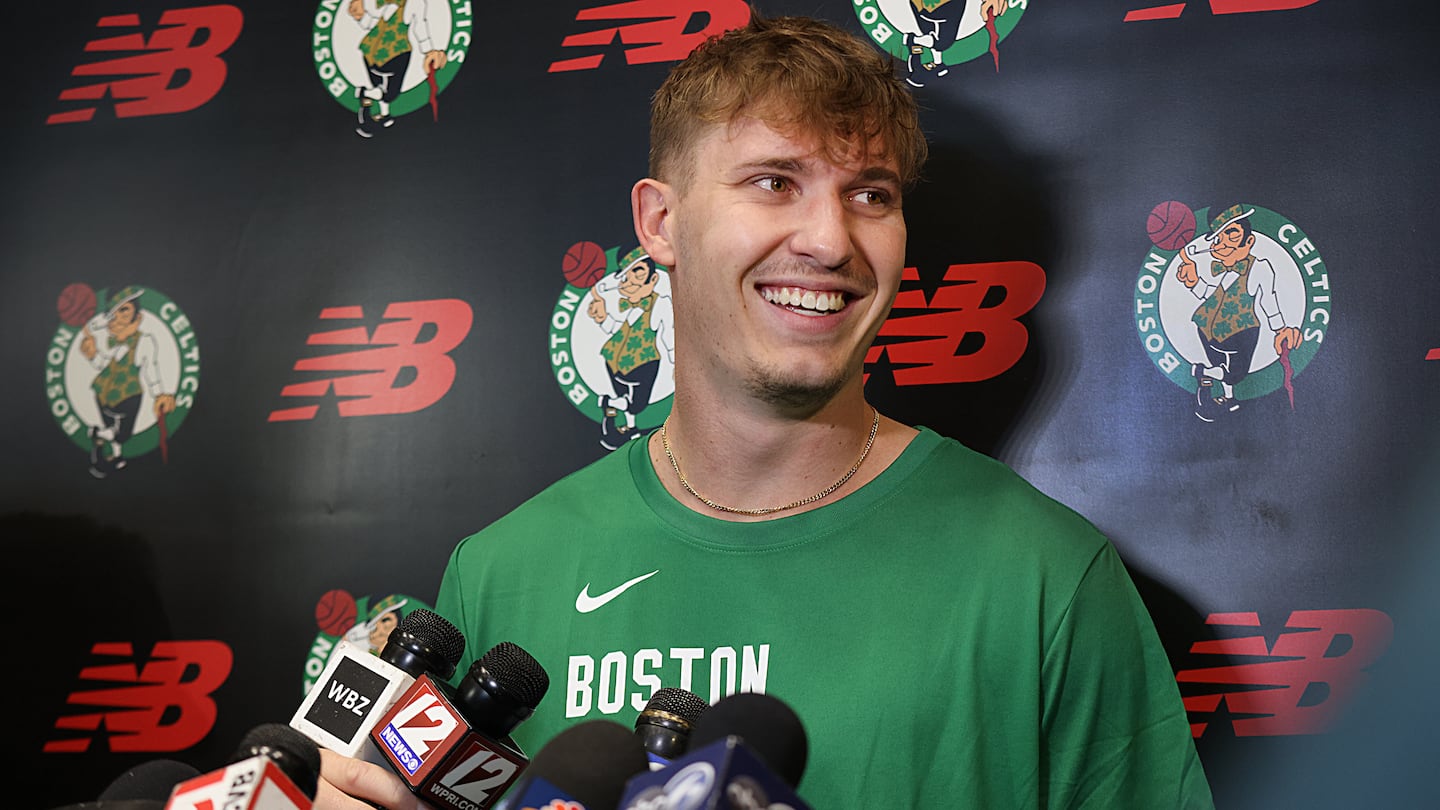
(817, 300)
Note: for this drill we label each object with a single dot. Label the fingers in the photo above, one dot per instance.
(348, 784)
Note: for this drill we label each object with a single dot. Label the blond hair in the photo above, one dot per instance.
(798, 75)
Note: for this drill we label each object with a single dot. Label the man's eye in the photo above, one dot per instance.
(871, 196)
(776, 184)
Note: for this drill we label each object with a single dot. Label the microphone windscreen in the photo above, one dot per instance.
(680, 707)
(424, 641)
(150, 780)
(292, 751)
(769, 728)
(517, 673)
(591, 761)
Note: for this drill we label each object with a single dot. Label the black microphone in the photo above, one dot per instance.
(665, 725)
(767, 725)
(275, 768)
(356, 688)
(143, 787)
(452, 746)
(747, 752)
(584, 767)
(152, 781)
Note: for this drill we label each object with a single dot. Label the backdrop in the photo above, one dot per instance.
(296, 297)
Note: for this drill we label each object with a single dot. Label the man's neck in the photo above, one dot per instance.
(752, 455)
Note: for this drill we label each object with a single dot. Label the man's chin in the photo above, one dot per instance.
(795, 393)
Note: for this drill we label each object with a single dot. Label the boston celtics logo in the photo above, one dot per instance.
(931, 36)
(339, 615)
(1235, 312)
(381, 59)
(121, 373)
(612, 340)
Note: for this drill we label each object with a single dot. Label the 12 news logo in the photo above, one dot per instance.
(435, 751)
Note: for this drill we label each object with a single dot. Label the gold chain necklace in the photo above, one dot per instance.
(869, 442)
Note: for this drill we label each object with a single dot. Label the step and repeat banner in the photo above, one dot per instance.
(299, 295)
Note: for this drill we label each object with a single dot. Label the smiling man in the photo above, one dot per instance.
(949, 636)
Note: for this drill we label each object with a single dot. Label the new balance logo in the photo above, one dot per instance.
(370, 383)
(1313, 667)
(968, 331)
(670, 31)
(163, 706)
(187, 46)
(1433, 354)
(1170, 11)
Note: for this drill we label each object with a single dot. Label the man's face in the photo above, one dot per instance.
(639, 282)
(124, 321)
(380, 633)
(1232, 246)
(785, 263)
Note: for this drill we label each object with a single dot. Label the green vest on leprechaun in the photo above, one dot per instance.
(1229, 310)
(633, 344)
(120, 379)
(388, 39)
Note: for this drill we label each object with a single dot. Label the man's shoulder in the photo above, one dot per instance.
(603, 486)
(985, 497)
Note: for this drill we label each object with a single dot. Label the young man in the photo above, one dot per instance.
(949, 636)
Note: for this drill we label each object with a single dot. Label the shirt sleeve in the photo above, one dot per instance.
(146, 359)
(420, 24)
(450, 603)
(1115, 730)
(1262, 284)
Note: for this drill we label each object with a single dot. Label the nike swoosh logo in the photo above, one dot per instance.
(586, 603)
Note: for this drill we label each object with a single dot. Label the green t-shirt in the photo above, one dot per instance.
(949, 636)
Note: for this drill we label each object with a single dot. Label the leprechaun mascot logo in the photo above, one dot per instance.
(121, 373)
(1234, 313)
(339, 615)
(612, 340)
(381, 59)
(931, 36)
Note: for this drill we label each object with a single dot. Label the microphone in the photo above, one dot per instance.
(151, 780)
(275, 768)
(767, 724)
(748, 752)
(665, 724)
(355, 687)
(584, 767)
(143, 787)
(452, 746)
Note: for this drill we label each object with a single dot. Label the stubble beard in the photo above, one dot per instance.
(793, 394)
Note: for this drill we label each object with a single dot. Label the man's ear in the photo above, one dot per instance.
(651, 206)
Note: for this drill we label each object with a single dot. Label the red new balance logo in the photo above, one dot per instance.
(1315, 665)
(673, 29)
(370, 383)
(1170, 11)
(189, 42)
(164, 706)
(980, 300)
(1433, 354)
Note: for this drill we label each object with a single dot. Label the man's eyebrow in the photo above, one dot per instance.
(878, 174)
(778, 164)
(870, 174)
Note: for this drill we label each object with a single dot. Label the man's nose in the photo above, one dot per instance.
(822, 231)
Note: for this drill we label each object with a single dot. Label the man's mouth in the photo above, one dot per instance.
(801, 300)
